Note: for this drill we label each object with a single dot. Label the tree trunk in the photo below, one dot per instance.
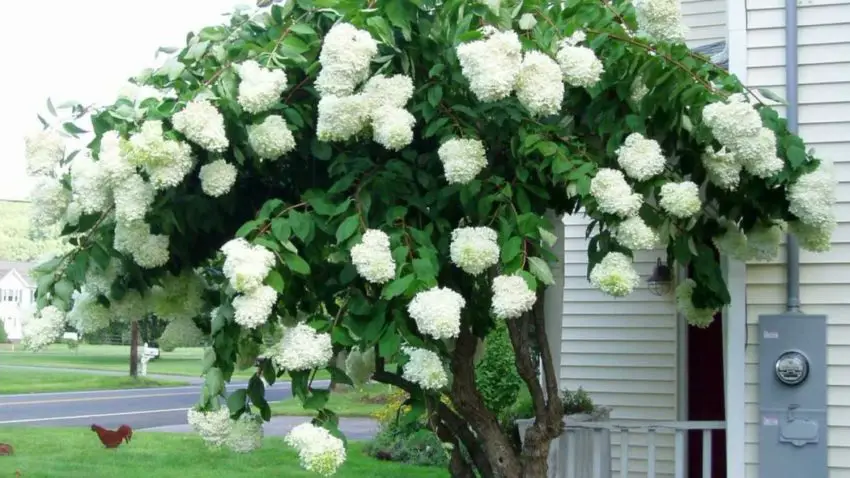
(134, 348)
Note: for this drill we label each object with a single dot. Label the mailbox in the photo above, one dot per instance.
(792, 396)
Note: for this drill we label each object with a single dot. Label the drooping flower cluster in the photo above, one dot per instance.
(724, 169)
(43, 151)
(811, 199)
(131, 306)
(661, 19)
(135, 238)
(302, 348)
(217, 177)
(272, 138)
(178, 297)
(761, 243)
(539, 86)
(345, 58)
(641, 158)
(634, 234)
(424, 369)
(462, 159)
(360, 365)
(87, 314)
(437, 312)
(613, 194)
(697, 317)
(50, 201)
(251, 309)
(213, 426)
(99, 280)
(372, 257)
(166, 161)
(615, 275)
(491, 64)
(341, 117)
(392, 127)
(737, 126)
(246, 434)
(579, 65)
(42, 329)
(511, 297)
(246, 265)
(203, 125)
(474, 249)
(680, 200)
(318, 450)
(88, 183)
(811, 238)
(181, 333)
(383, 91)
(260, 87)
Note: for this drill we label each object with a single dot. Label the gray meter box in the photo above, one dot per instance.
(792, 396)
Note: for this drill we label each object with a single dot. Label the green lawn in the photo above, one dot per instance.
(34, 381)
(354, 403)
(185, 362)
(76, 453)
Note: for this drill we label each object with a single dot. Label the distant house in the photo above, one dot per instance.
(17, 293)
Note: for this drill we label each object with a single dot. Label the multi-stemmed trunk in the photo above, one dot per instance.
(134, 348)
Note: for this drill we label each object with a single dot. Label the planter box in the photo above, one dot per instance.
(584, 447)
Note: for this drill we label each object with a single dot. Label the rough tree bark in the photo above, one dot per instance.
(134, 348)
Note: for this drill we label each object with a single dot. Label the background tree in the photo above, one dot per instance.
(388, 170)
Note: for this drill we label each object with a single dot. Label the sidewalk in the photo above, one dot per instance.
(353, 428)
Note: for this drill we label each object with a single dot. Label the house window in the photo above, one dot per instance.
(8, 295)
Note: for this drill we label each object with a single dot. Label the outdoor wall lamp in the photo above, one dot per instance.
(661, 281)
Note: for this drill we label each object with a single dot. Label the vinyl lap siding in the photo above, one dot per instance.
(824, 117)
(621, 351)
(706, 21)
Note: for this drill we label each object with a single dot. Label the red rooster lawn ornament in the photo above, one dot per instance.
(112, 439)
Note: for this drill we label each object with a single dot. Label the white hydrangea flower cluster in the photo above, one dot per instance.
(680, 200)
(345, 58)
(613, 194)
(129, 307)
(360, 365)
(462, 159)
(372, 257)
(392, 127)
(635, 234)
(50, 201)
(474, 249)
(246, 434)
(253, 308)
(318, 450)
(99, 280)
(341, 117)
(272, 138)
(701, 318)
(511, 297)
(213, 426)
(302, 348)
(135, 238)
(203, 125)
(491, 65)
(166, 161)
(641, 158)
(737, 126)
(181, 333)
(42, 329)
(811, 199)
(260, 87)
(178, 297)
(579, 65)
(246, 265)
(615, 275)
(661, 19)
(639, 90)
(43, 151)
(89, 185)
(760, 244)
(87, 314)
(133, 199)
(217, 177)
(383, 91)
(539, 85)
(724, 169)
(436, 312)
(424, 369)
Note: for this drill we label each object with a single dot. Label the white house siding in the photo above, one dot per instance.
(623, 352)
(706, 21)
(824, 117)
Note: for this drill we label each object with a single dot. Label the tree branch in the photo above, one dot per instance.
(518, 329)
(552, 392)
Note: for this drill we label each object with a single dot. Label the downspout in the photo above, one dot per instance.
(792, 248)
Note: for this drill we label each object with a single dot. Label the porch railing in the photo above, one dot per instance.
(586, 441)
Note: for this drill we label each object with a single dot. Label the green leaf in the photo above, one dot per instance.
(275, 280)
(317, 399)
(397, 287)
(73, 129)
(541, 270)
(435, 94)
(347, 228)
(236, 401)
(548, 238)
(302, 225)
(424, 269)
(281, 229)
(295, 263)
(64, 289)
(338, 376)
(209, 360)
(303, 29)
(390, 343)
(511, 249)
(248, 228)
(772, 96)
(269, 372)
(214, 381)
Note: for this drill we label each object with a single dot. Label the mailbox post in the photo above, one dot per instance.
(792, 396)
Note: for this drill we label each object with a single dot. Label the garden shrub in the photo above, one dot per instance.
(496, 375)
(412, 443)
(3, 337)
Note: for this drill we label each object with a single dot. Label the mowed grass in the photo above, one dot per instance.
(362, 402)
(36, 381)
(77, 453)
(185, 361)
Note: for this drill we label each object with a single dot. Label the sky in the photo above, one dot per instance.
(84, 51)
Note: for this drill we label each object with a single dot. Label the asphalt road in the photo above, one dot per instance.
(139, 408)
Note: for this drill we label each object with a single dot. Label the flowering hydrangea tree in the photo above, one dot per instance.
(375, 179)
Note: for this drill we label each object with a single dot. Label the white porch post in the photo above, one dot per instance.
(734, 363)
(553, 299)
